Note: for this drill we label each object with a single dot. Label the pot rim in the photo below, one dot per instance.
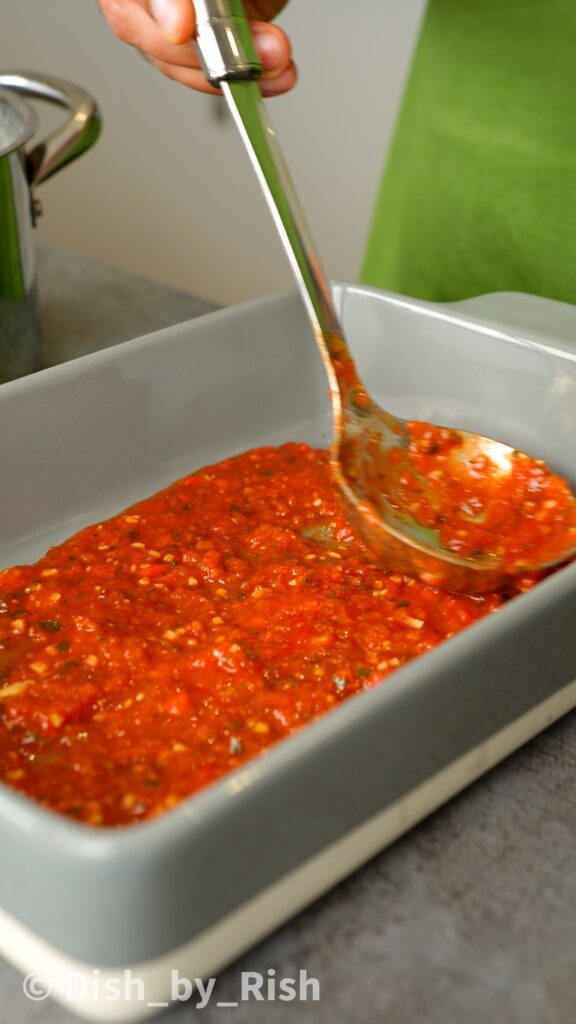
(24, 124)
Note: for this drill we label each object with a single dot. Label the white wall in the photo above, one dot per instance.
(168, 192)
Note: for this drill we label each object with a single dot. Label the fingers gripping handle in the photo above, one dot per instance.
(224, 41)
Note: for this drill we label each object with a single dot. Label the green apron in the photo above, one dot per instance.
(479, 193)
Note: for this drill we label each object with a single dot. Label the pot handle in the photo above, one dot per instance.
(68, 141)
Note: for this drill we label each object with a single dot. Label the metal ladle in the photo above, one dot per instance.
(365, 436)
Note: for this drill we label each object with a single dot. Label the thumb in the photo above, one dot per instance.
(175, 19)
(273, 48)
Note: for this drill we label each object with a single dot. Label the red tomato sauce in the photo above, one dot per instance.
(151, 654)
(509, 506)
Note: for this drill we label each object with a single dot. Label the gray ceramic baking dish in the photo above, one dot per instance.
(191, 890)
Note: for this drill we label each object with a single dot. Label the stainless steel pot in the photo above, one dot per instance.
(21, 170)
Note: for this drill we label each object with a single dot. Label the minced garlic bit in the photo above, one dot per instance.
(15, 689)
(411, 621)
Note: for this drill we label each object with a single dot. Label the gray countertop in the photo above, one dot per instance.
(86, 306)
(470, 917)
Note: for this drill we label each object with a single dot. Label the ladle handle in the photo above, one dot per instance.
(230, 61)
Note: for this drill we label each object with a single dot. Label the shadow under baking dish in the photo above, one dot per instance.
(192, 889)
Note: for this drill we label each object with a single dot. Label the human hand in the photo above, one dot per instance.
(163, 31)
